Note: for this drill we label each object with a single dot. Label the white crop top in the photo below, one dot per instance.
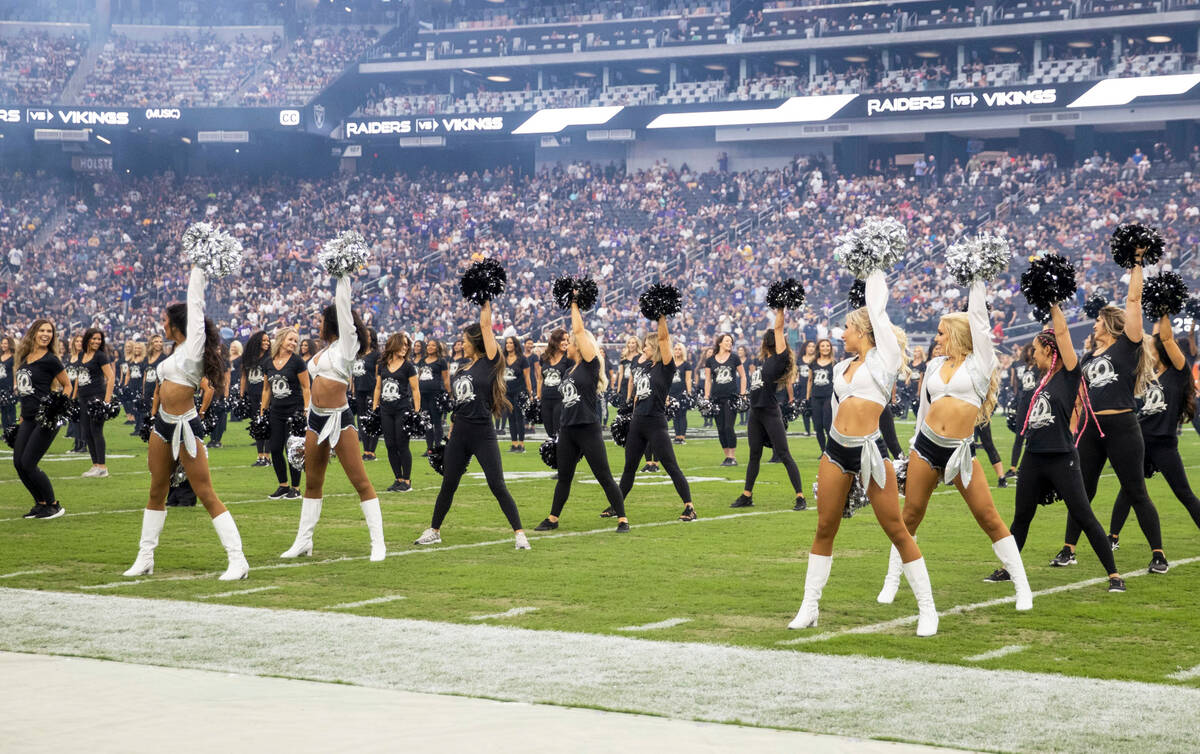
(336, 360)
(875, 378)
(185, 365)
(971, 381)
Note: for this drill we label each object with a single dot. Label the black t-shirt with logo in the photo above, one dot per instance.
(514, 377)
(471, 390)
(429, 377)
(552, 377)
(802, 371)
(395, 392)
(650, 390)
(679, 381)
(137, 372)
(150, 375)
(580, 403)
(1049, 427)
(763, 387)
(822, 380)
(33, 380)
(255, 376)
(362, 371)
(1111, 375)
(285, 383)
(6, 374)
(1162, 403)
(724, 376)
(89, 376)
(639, 377)
(623, 374)
(1027, 380)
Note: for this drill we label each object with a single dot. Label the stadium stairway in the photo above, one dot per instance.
(256, 76)
(70, 93)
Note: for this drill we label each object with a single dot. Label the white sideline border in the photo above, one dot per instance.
(905, 700)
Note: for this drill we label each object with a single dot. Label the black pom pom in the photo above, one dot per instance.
(549, 453)
(672, 407)
(1128, 238)
(415, 423)
(239, 410)
(660, 300)
(483, 281)
(100, 412)
(580, 290)
(445, 402)
(7, 398)
(1192, 307)
(260, 428)
(146, 427)
(857, 297)
(1049, 280)
(437, 457)
(209, 423)
(10, 435)
(741, 403)
(1163, 294)
(707, 408)
(785, 294)
(901, 467)
(620, 429)
(297, 424)
(370, 423)
(1093, 305)
(55, 410)
(532, 409)
(614, 398)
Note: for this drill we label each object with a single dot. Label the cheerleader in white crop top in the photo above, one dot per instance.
(175, 438)
(862, 389)
(331, 425)
(958, 393)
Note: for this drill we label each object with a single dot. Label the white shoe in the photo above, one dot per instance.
(814, 583)
(231, 540)
(1010, 556)
(806, 617)
(371, 513)
(152, 526)
(918, 579)
(310, 513)
(89, 473)
(891, 582)
(429, 537)
(522, 541)
(238, 569)
(143, 566)
(100, 473)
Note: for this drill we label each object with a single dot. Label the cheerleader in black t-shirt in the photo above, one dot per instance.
(820, 391)
(251, 378)
(38, 371)
(94, 379)
(550, 367)
(397, 390)
(433, 377)
(581, 434)
(777, 367)
(724, 381)
(1116, 371)
(72, 367)
(803, 373)
(285, 392)
(479, 396)
(681, 384)
(154, 357)
(364, 388)
(1169, 401)
(518, 387)
(1022, 379)
(8, 401)
(135, 371)
(624, 371)
(639, 374)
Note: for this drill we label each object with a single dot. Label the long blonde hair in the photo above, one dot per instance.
(1113, 319)
(959, 345)
(602, 379)
(656, 352)
(861, 319)
(281, 335)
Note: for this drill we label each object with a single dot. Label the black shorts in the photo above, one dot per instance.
(317, 423)
(849, 460)
(932, 453)
(164, 429)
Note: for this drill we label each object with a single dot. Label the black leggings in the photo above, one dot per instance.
(1019, 441)
(278, 445)
(91, 432)
(551, 417)
(584, 441)
(1041, 472)
(479, 440)
(1122, 447)
(8, 415)
(33, 440)
(822, 417)
(396, 442)
(887, 428)
(983, 436)
(222, 424)
(767, 424)
(651, 432)
(1163, 452)
(362, 402)
(807, 423)
(429, 402)
(725, 422)
(516, 419)
(679, 423)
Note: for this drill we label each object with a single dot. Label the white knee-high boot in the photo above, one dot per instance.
(814, 584)
(152, 526)
(227, 532)
(310, 513)
(918, 579)
(1010, 556)
(891, 582)
(374, 517)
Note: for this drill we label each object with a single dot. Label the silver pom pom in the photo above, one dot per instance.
(295, 453)
(345, 254)
(980, 258)
(214, 251)
(878, 244)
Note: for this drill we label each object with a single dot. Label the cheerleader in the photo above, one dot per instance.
(176, 435)
(74, 353)
(479, 396)
(803, 373)
(308, 347)
(433, 376)
(639, 374)
(518, 388)
(1167, 404)
(397, 390)
(154, 357)
(364, 388)
(648, 426)
(94, 379)
(218, 401)
(820, 391)
(1023, 377)
(8, 407)
(134, 380)
(748, 365)
(286, 391)
(1050, 467)
(702, 380)
(862, 390)
(624, 372)
(580, 432)
(725, 380)
(1115, 372)
(958, 394)
(549, 368)
(121, 370)
(776, 367)
(38, 372)
(681, 385)
(251, 378)
(331, 424)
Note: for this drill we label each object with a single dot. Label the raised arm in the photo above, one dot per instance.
(490, 346)
(1133, 305)
(1167, 336)
(584, 342)
(981, 331)
(780, 342)
(885, 338)
(194, 346)
(1062, 335)
(664, 340)
(348, 345)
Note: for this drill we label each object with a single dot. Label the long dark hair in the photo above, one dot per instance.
(26, 346)
(329, 331)
(253, 353)
(394, 344)
(214, 367)
(554, 344)
(1189, 387)
(500, 404)
(372, 340)
(768, 350)
(87, 338)
(437, 346)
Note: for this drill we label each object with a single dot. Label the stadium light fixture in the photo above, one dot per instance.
(649, 71)
(101, 138)
(499, 79)
(787, 63)
(1004, 48)
(1081, 44)
(585, 74)
(928, 54)
(185, 140)
(715, 67)
(1158, 39)
(856, 58)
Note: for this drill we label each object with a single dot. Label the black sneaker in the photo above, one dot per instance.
(608, 513)
(33, 512)
(1064, 558)
(1002, 482)
(292, 494)
(546, 525)
(1158, 563)
(1115, 541)
(214, 445)
(279, 493)
(622, 527)
(801, 504)
(647, 468)
(1116, 584)
(393, 487)
(655, 468)
(677, 441)
(689, 514)
(1010, 474)
(999, 575)
(405, 487)
(53, 510)
(729, 462)
(742, 502)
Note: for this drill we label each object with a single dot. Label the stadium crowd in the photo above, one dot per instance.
(35, 66)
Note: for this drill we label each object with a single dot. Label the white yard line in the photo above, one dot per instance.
(364, 603)
(874, 628)
(1011, 649)
(933, 703)
(513, 613)
(668, 623)
(236, 592)
(1186, 675)
(14, 574)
